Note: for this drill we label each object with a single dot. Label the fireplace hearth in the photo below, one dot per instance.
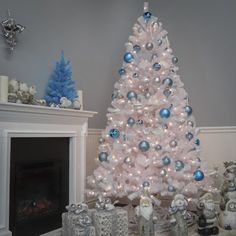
(39, 184)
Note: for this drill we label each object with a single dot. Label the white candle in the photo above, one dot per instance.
(80, 95)
(3, 88)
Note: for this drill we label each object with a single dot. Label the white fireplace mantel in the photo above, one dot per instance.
(18, 120)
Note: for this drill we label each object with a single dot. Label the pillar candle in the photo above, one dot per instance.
(3, 88)
(80, 95)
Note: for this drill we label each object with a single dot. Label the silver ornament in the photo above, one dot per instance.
(135, 75)
(127, 160)
(173, 143)
(159, 42)
(101, 140)
(146, 184)
(147, 95)
(190, 123)
(145, 79)
(157, 79)
(10, 30)
(149, 46)
(163, 173)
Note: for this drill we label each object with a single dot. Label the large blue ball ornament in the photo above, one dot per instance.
(102, 156)
(131, 95)
(156, 66)
(171, 188)
(168, 82)
(189, 136)
(166, 161)
(131, 121)
(164, 113)
(188, 110)
(144, 146)
(122, 72)
(197, 142)
(114, 133)
(128, 57)
(198, 175)
(147, 15)
(179, 165)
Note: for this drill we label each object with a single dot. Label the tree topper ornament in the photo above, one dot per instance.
(10, 30)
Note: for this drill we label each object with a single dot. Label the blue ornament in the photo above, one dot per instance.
(198, 175)
(156, 66)
(164, 113)
(188, 110)
(128, 57)
(136, 48)
(171, 188)
(197, 142)
(158, 147)
(144, 146)
(167, 92)
(179, 165)
(166, 161)
(146, 184)
(131, 121)
(147, 15)
(189, 136)
(102, 156)
(168, 82)
(131, 95)
(114, 133)
(175, 60)
(122, 72)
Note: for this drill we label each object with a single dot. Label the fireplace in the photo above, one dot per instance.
(39, 184)
(25, 126)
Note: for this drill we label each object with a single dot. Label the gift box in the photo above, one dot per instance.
(113, 222)
(88, 231)
(77, 221)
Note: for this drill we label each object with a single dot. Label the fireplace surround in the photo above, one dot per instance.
(35, 122)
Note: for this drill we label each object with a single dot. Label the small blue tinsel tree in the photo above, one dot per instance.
(61, 83)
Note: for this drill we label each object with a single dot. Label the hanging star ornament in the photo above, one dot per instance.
(10, 30)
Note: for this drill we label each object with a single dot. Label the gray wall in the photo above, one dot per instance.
(92, 33)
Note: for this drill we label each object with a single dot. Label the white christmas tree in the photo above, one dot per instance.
(151, 135)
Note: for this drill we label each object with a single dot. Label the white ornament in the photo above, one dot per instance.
(13, 86)
(23, 87)
(65, 103)
(32, 90)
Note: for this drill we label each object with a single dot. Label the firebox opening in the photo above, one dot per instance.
(39, 185)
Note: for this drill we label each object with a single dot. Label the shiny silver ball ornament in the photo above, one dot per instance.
(149, 46)
(173, 143)
(190, 123)
(101, 140)
(157, 80)
(147, 95)
(175, 60)
(146, 184)
(127, 160)
(163, 173)
(159, 42)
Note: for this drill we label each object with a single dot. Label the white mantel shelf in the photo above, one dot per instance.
(24, 113)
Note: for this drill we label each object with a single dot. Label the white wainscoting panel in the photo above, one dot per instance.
(218, 145)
